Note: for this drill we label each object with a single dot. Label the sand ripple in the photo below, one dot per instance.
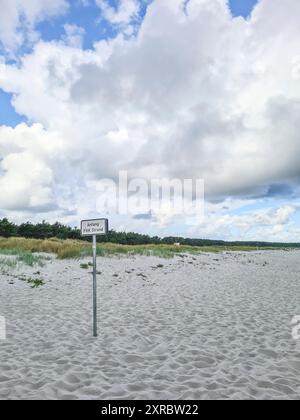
(201, 327)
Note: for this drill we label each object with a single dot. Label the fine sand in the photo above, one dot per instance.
(213, 326)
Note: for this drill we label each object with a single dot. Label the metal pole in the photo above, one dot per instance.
(95, 286)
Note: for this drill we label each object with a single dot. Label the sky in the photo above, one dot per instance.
(171, 89)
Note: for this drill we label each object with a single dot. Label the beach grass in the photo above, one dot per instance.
(84, 266)
(30, 259)
(8, 263)
(25, 249)
(35, 283)
(21, 255)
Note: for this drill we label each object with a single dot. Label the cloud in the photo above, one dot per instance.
(18, 19)
(196, 93)
(74, 35)
(26, 167)
(268, 224)
(125, 11)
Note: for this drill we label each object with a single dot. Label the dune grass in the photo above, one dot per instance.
(35, 283)
(30, 259)
(22, 250)
(84, 266)
(9, 263)
(26, 258)
(25, 249)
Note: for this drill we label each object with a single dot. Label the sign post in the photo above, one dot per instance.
(95, 329)
(93, 228)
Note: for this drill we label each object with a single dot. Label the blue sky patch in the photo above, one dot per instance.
(8, 115)
(90, 19)
(242, 7)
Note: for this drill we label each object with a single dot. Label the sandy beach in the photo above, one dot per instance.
(212, 326)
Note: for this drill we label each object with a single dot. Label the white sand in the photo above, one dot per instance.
(205, 327)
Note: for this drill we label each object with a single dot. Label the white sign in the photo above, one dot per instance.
(94, 227)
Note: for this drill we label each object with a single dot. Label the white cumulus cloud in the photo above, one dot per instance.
(18, 19)
(28, 155)
(125, 11)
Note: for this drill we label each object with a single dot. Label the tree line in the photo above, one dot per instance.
(46, 230)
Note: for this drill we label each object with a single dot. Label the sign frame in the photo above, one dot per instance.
(96, 233)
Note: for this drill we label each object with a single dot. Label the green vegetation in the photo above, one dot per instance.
(25, 240)
(25, 249)
(84, 266)
(20, 256)
(7, 263)
(57, 231)
(28, 258)
(34, 283)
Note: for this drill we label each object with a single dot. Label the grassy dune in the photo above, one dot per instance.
(24, 249)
